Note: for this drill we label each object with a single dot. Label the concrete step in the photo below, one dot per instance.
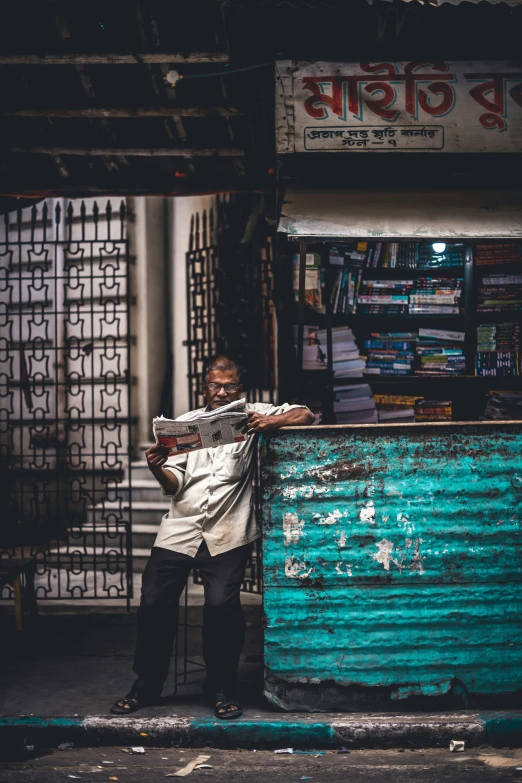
(104, 557)
(143, 536)
(141, 490)
(140, 471)
(143, 512)
(142, 447)
(113, 536)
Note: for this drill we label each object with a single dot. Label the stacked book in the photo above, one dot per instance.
(354, 405)
(497, 254)
(498, 293)
(395, 255)
(393, 408)
(398, 255)
(350, 253)
(504, 405)
(344, 289)
(390, 353)
(313, 357)
(314, 282)
(383, 297)
(346, 361)
(441, 352)
(452, 256)
(497, 349)
(436, 296)
(433, 410)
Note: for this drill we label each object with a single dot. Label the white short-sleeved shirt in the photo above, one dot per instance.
(214, 500)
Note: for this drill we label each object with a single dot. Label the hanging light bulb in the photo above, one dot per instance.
(172, 77)
(439, 247)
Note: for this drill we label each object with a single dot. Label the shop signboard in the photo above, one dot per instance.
(398, 107)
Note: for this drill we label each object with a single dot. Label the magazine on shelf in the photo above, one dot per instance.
(203, 430)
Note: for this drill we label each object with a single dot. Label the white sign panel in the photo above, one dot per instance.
(399, 107)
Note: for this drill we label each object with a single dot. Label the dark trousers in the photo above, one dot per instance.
(164, 579)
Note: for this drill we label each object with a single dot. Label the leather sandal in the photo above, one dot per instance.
(223, 705)
(133, 701)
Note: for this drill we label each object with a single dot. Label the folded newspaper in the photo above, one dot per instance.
(203, 430)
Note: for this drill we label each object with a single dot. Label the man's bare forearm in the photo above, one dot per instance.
(167, 479)
(297, 417)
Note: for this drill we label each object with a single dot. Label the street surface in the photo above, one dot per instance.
(359, 766)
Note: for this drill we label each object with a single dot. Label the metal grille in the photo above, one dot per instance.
(230, 309)
(65, 398)
(229, 294)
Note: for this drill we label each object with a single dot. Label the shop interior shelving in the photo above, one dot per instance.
(467, 391)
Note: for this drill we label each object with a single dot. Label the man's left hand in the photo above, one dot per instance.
(258, 422)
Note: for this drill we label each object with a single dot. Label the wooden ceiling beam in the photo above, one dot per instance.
(196, 186)
(149, 58)
(147, 152)
(90, 112)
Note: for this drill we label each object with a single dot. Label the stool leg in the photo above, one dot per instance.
(17, 590)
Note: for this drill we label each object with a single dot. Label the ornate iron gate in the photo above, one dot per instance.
(65, 398)
(230, 308)
(229, 294)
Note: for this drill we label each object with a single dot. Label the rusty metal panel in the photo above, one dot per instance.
(334, 214)
(392, 563)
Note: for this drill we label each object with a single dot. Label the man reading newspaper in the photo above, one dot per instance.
(211, 525)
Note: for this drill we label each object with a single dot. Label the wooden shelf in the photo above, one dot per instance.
(507, 316)
(500, 269)
(404, 273)
(509, 382)
(407, 317)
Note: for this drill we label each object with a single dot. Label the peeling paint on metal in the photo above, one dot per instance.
(296, 570)
(333, 517)
(367, 514)
(409, 575)
(292, 528)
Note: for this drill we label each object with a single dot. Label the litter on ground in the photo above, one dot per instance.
(457, 746)
(188, 768)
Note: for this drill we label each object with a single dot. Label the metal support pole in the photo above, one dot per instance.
(301, 316)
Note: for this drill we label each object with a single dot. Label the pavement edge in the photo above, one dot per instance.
(500, 729)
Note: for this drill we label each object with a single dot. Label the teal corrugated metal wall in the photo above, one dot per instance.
(392, 561)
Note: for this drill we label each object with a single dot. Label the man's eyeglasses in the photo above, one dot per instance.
(230, 388)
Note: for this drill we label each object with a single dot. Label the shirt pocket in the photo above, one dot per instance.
(232, 467)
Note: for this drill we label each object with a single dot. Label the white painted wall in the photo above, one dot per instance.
(159, 240)
(181, 210)
(149, 322)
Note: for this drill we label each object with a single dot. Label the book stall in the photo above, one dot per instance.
(391, 531)
(391, 549)
(422, 325)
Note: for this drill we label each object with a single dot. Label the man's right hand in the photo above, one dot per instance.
(156, 456)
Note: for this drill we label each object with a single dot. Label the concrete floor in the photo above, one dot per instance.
(483, 765)
(67, 665)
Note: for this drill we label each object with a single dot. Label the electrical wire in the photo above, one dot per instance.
(227, 72)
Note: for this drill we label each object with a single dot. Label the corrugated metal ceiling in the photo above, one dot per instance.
(109, 121)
